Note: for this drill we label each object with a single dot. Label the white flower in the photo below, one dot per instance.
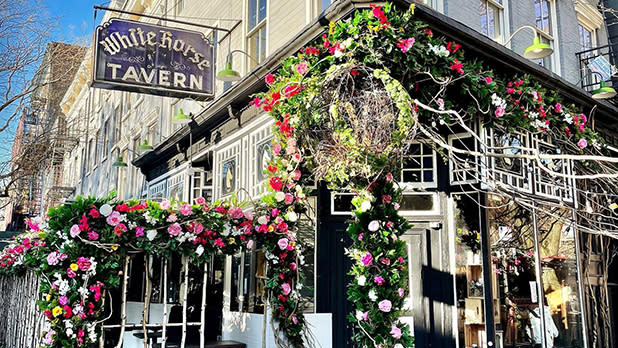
(105, 209)
(227, 229)
(372, 295)
(568, 118)
(366, 205)
(279, 196)
(199, 250)
(398, 345)
(359, 315)
(83, 292)
(292, 216)
(361, 280)
(439, 50)
(151, 234)
(407, 304)
(262, 220)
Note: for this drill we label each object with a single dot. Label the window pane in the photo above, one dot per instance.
(422, 202)
(252, 14)
(262, 10)
(262, 44)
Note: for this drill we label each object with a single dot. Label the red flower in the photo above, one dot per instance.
(379, 13)
(428, 32)
(256, 101)
(452, 47)
(123, 208)
(269, 79)
(291, 90)
(275, 183)
(94, 213)
(457, 66)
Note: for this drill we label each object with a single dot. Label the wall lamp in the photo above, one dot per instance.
(538, 49)
(604, 91)
(229, 74)
(181, 118)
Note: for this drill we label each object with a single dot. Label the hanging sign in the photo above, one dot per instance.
(145, 58)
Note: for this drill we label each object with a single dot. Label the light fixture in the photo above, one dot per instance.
(181, 118)
(119, 162)
(144, 146)
(538, 49)
(229, 74)
(604, 91)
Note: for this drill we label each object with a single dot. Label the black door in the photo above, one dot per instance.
(431, 286)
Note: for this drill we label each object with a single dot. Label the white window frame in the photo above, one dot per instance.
(503, 18)
(259, 137)
(422, 184)
(473, 166)
(551, 37)
(249, 32)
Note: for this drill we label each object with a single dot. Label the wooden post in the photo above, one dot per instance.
(203, 310)
(164, 329)
(184, 303)
(125, 289)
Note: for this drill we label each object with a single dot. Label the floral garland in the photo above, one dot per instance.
(79, 249)
(426, 78)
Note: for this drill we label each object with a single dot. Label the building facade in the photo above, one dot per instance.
(460, 296)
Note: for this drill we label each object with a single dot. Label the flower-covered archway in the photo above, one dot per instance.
(347, 107)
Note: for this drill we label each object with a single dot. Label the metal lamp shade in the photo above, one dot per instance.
(538, 50)
(228, 74)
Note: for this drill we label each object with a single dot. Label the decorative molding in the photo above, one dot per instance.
(588, 15)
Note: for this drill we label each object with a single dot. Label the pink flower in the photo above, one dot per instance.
(385, 305)
(52, 258)
(113, 219)
(389, 177)
(294, 320)
(165, 205)
(302, 68)
(75, 230)
(269, 79)
(276, 149)
(366, 316)
(63, 300)
(293, 266)
(386, 199)
(83, 263)
(139, 231)
(174, 229)
(200, 200)
(378, 280)
(219, 243)
(360, 236)
(286, 288)
(395, 332)
(296, 174)
(71, 273)
(374, 226)
(400, 292)
(92, 235)
(396, 206)
(584, 118)
(499, 111)
(582, 143)
(489, 80)
(283, 243)
(186, 209)
(558, 108)
(172, 218)
(250, 244)
(120, 229)
(367, 259)
(405, 44)
(236, 213)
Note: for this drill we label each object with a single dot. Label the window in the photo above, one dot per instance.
(121, 186)
(418, 166)
(91, 151)
(105, 141)
(463, 167)
(117, 125)
(180, 5)
(201, 186)
(542, 10)
(256, 32)
(97, 139)
(135, 173)
(324, 4)
(492, 19)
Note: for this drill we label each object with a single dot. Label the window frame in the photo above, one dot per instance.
(549, 37)
(421, 184)
(502, 19)
(251, 32)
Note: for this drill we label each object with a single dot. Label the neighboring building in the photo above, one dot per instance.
(36, 143)
(222, 150)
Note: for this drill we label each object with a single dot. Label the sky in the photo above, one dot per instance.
(74, 23)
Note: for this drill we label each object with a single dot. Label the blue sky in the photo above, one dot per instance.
(74, 23)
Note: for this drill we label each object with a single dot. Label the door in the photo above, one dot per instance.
(431, 286)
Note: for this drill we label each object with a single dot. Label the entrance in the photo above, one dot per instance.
(431, 285)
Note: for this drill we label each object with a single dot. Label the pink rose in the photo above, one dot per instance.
(395, 332)
(294, 320)
(186, 209)
(276, 149)
(63, 300)
(165, 205)
(389, 177)
(92, 235)
(52, 258)
(367, 259)
(582, 143)
(489, 80)
(113, 219)
(385, 305)
(499, 111)
(558, 108)
(174, 229)
(400, 292)
(378, 280)
(200, 200)
(289, 198)
(301, 68)
(405, 44)
(71, 273)
(286, 288)
(283, 243)
(139, 231)
(269, 79)
(75, 230)
(386, 199)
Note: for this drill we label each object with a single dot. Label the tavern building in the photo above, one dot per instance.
(459, 298)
